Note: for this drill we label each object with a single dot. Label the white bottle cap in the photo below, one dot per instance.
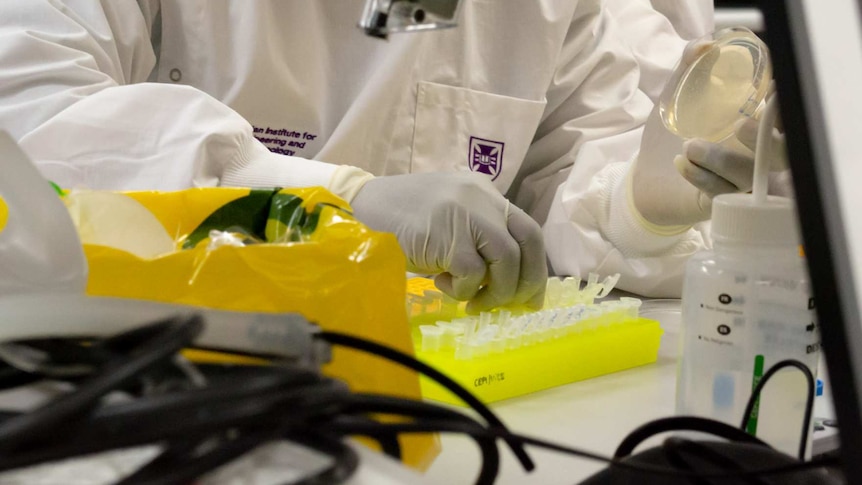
(736, 218)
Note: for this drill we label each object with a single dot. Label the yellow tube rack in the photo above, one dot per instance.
(597, 345)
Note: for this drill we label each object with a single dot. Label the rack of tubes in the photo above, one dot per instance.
(514, 351)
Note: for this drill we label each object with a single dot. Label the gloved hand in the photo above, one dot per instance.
(683, 196)
(666, 202)
(746, 132)
(729, 167)
(485, 250)
(660, 197)
(670, 197)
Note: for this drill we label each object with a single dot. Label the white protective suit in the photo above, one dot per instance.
(542, 96)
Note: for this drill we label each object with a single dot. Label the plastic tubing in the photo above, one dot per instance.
(763, 152)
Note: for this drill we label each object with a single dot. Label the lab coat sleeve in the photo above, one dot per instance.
(595, 129)
(73, 92)
(691, 19)
(591, 228)
(657, 31)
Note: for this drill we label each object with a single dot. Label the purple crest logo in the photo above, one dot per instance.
(486, 156)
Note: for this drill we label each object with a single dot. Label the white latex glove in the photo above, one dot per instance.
(746, 132)
(667, 202)
(728, 167)
(673, 196)
(659, 196)
(459, 226)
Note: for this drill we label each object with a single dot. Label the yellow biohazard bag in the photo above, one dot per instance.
(327, 266)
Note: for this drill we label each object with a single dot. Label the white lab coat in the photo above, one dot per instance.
(542, 96)
(657, 40)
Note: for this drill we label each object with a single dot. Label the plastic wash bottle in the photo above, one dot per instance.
(747, 305)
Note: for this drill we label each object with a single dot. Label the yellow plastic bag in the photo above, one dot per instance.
(342, 276)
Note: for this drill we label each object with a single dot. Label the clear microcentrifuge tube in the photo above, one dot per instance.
(484, 320)
(571, 291)
(608, 284)
(553, 293)
(450, 331)
(503, 318)
(591, 290)
(611, 313)
(431, 336)
(479, 348)
(463, 350)
(632, 307)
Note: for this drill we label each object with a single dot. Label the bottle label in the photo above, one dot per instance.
(719, 315)
(751, 426)
(771, 314)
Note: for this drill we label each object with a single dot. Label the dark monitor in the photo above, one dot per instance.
(816, 48)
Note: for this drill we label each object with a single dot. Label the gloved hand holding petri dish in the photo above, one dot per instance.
(690, 150)
(713, 101)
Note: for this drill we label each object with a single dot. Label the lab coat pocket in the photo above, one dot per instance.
(459, 129)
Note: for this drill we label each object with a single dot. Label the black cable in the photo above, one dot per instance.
(10, 377)
(345, 459)
(388, 442)
(160, 423)
(145, 420)
(491, 459)
(82, 445)
(809, 402)
(174, 334)
(149, 347)
(263, 389)
(369, 403)
(180, 466)
(683, 423)
(390, 446)
(171, 458)
(410, 362)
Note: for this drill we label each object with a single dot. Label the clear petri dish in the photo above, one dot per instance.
(727, 81)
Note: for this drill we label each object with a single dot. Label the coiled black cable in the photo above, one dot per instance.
(425, 412)
(809, 400)
(171, 337)
(455, 388)
(345, 460)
